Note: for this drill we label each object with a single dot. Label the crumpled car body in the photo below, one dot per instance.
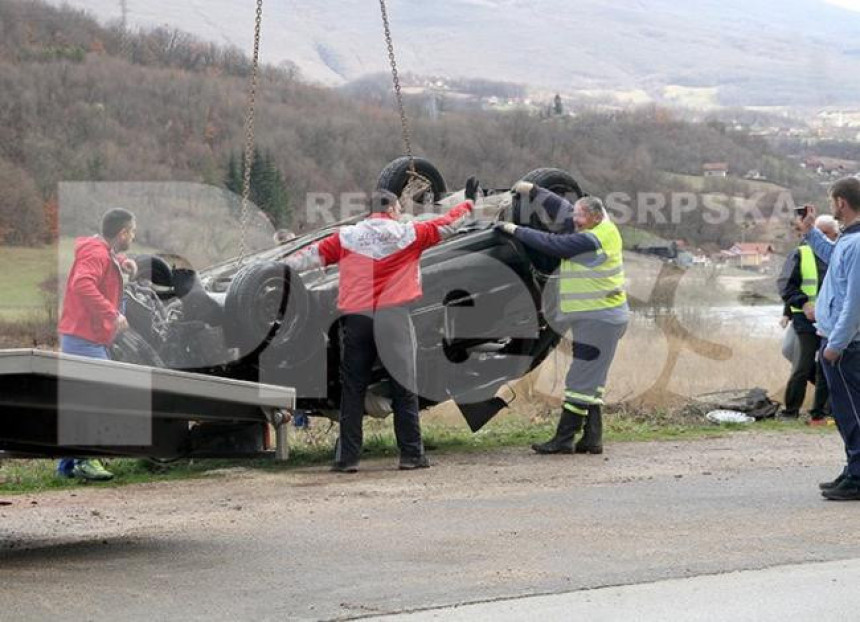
(479, 325)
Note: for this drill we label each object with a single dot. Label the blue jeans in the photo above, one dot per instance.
(69, 344)
(843, 378)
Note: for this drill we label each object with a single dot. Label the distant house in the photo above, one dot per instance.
(747, 255)
(715, 169)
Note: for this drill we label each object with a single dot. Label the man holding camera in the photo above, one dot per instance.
(837, 315)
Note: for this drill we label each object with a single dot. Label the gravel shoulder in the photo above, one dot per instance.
(309, 544)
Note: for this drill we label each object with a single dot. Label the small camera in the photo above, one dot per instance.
(801, 212)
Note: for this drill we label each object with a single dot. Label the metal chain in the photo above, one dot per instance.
(249, 133)
(404, 122)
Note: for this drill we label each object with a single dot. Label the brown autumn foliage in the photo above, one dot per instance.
(83, 102)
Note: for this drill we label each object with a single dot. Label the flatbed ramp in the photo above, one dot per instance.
(54, 404)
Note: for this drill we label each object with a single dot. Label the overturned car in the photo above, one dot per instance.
(479, 324)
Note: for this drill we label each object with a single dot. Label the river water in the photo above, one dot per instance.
(752, 320)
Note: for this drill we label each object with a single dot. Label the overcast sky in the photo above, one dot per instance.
(854, 5)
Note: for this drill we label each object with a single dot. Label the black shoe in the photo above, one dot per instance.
(788, 414)
(554, 446)
(833, 484)
(345, 467)
(410, 463)
(846, 490)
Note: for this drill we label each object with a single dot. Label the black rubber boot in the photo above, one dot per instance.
(562, 443)
(592, 439)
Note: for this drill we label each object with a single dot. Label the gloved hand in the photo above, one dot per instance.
(523, 187)
(473, 186)
(508, 228)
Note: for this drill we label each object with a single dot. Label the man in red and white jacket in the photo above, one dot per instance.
(379, 275)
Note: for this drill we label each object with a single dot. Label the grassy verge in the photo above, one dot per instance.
(313, 447)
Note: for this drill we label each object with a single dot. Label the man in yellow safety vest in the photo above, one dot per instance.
(799, 282)
(591, 302)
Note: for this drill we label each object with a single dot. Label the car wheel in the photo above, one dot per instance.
(154, 268)
(396, 176)
(130, 347)
(556, 180)
(264, 299)
(561, 183)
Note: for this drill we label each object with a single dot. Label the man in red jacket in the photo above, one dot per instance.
(380, 275)
(92, 315)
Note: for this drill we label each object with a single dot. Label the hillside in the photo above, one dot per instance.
(79, 105)
(769, 52)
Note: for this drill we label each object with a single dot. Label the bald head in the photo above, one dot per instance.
(828, 226)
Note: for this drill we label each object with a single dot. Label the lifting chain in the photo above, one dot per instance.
(248, 160)
(398, 94)
(418, 185)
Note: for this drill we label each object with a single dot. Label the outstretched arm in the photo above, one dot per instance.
(562, 245)
(821, 245)
(434, 231)
(326, 251)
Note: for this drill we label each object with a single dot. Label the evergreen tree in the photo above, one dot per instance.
(268, 190)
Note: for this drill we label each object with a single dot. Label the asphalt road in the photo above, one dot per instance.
(478, 528)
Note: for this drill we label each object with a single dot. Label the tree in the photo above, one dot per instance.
(268, 190)
(22, 221)
(557, 106)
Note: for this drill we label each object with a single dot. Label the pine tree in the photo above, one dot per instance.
(558, 107)
(268, 190)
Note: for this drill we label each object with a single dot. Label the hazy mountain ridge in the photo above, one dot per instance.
(767, 52)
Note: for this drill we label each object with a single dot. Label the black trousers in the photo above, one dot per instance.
(807, 370)
(843, 377)
(389, 335)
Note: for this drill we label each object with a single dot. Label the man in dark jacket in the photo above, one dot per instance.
(801, 278)
(92, 315)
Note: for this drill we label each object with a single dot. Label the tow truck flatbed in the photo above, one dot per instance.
(54, 404)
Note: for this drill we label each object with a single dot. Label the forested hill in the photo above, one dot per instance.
(80, 102)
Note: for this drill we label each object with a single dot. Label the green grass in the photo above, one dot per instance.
(25, 269)
(314, 447)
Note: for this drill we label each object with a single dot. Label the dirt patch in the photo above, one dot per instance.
(298, 493)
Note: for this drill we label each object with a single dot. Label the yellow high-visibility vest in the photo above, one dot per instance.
(592, 289)
(808, 275)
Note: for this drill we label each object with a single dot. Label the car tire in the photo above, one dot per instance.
(395, 176)
(264, 299)
(155, 269)
(130, 347)
(561, 183)
(556, 180)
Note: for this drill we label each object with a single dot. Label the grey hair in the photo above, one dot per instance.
(826, 220)
(593, 206)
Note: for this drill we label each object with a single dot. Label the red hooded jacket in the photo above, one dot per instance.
(380, 258)
(93, 292)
